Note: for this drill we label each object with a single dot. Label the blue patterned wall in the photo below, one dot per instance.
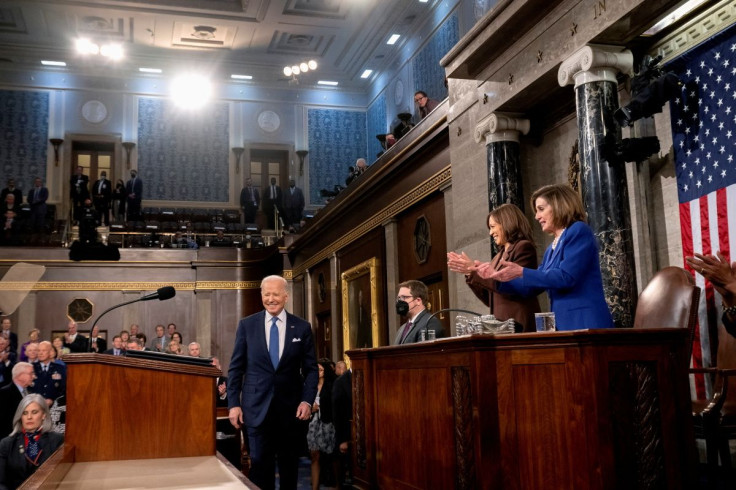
(429, 76)
(183, 155)
(336, 140)
(376, 122)
(24, 123)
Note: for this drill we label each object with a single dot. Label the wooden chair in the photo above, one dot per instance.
(715, 418)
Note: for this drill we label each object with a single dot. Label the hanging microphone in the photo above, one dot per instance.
(161, 294)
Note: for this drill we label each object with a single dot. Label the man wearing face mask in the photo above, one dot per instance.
(410, 303)
(293, 204)
(101, 197)
(134, 187)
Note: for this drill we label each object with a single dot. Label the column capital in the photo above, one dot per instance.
(595, 63)
(500, 127)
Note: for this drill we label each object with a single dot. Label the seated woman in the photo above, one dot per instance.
(33, 337)
(570, 271)
(510, 230)
(30, 444)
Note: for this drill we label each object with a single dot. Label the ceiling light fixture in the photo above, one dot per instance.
(241, 77)
(113, 51)
(150, 70)
(327, 82)
(191, 91)
(392, 40)
(302, 67)
(53, 63)
(366, 73)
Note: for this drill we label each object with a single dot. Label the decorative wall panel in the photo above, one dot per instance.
(24, 122)
(429, 76)
(336, 140)
(376, 122)
(183, 155)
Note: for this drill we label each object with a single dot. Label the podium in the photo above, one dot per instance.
(590, 409)
(137, 418)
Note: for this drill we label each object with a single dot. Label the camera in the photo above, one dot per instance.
(650, 89)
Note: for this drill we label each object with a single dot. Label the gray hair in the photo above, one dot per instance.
(20, 366)
(274, 278)
(46, 425)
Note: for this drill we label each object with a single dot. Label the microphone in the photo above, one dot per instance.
(161, 294)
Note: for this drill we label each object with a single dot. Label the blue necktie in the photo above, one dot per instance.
(273, 345)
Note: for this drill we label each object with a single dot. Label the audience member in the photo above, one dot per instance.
(220, 386)
(142, 340)
(134, 330)
(411, 303)
(7, 361)
(272, 409)
(177, 336)
(13, 393)
(50, 377)
(119, 199)
(272, 199)
(117, 347)
(134, 343)
(174, 347)
(58, 343)
(717, 270)
(293, 204)
(102, 196)
(124, 336)
(74, 341)
(221, 240)
(96, 343)
(321, 433)
(424, 103)
(33, 435)
(250, 199)
(134, 195)
(6, 326)
(194, 349)
(79, 192)
(37, 198)
(11, 227)
(160, 342)
(11, 189)
(33, 336)
(32, 352)
(340, 368)
(357, 171)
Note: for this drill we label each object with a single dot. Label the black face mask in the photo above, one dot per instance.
(402, 307)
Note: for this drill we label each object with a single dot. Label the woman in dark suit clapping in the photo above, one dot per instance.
(512, 234)
(30, 444)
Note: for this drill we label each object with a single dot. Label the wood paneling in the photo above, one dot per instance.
(600, 409)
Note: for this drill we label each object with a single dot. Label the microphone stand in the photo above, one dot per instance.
(107, 311)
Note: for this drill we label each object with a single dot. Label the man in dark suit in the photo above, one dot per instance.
(12, 337)
(117, 347)
(37, 199)
(293, 204)
(134, 188)
(272, 199)
(250, 199)
(11, 220)
(50, 377)
(411, 303)
(74, 341)
(96, 343)
(101, 197)
(272, 382)
(12, 394)
(11, 189)
(78, 191)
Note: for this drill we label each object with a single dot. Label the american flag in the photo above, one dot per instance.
(704, 138)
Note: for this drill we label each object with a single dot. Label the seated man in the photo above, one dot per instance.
(50, 377)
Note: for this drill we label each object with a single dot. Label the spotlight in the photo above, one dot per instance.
(295, 70)
(312, 65)
(191, 91)
(650, 89)
(287, 71)
(303, 67)
(85, 46)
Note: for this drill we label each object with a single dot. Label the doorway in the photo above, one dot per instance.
(93, 157)
(265, 164)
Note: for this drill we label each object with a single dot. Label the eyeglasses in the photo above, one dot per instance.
(419, 99)
(404, 298)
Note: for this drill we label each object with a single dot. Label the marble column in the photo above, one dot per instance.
(603, 186)
(501, 135)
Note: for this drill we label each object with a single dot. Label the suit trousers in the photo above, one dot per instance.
(280, 438)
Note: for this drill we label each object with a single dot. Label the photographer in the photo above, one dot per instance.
(357, 171)
(88, 223)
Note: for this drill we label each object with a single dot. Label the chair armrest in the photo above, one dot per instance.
(719, 397)
(710, 370)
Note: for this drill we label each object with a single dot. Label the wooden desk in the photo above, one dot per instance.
(599, 409)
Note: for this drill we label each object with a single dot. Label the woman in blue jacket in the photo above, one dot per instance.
(570, 271)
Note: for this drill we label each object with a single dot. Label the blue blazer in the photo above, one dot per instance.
(571, 274)
(254, 384)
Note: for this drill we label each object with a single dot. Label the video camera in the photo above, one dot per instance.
(650, 89)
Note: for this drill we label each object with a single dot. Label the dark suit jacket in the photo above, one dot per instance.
(422, 322)
(244, 201)
(16, 192)
(571, 274)
(106, 195)
(38, 203)
(274, 202)
(134, 188)
(50, 384)
(14, 466)
(10, 398)
(294, 201)
(254, 384)
(79, 192)
(342, 407)
(101, 345)
(80, 344)
(112, 352)
(505, 306)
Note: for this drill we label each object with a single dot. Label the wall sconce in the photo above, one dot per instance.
(128, 145)
(238, 152)
(301, 154)
(56, 142)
